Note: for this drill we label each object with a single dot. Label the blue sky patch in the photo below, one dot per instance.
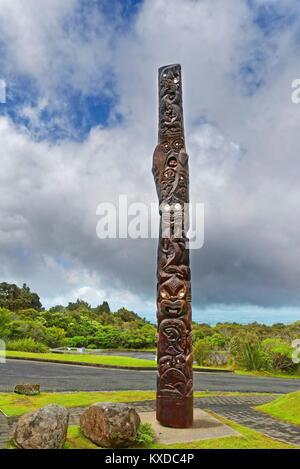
(272, 17)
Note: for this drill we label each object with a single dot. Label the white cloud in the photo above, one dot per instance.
(243, 150)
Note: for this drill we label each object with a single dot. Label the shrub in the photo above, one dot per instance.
(280, 355)
(202, 350)
(77, 341)
(6, 317)
(26, 345)
(201, 331)
(246, 350)
(218, 341)
(34, 329)
(54, 336)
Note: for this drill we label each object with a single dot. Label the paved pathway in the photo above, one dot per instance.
(199, 402)
(236, 408)
(260, 422)
(57, 377)
(239, 409)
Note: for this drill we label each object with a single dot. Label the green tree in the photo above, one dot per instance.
(125, 315)
(14, 298)
(104, 308)
(79, 305)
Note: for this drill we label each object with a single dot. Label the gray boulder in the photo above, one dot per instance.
(29, 389)
(110, 425)
(45, 428)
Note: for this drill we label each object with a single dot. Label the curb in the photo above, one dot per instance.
(118, 367)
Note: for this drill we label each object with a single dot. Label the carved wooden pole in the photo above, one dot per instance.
(170, 169)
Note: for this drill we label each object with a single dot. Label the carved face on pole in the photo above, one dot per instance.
(172, 295)
(170, 170)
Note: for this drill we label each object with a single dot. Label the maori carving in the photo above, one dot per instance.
(170, 170)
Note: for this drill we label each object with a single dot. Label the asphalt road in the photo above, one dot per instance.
(56, 377)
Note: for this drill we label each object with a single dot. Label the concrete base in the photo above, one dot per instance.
(205, 427)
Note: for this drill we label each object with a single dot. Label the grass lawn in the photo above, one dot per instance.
(285, 408)
(115, 360)
(98, 359)
(249, 440)
(151, 349)
(14, 404)
(86, 358)
(266, 374)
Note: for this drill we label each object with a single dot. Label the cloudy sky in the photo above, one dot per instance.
(79, 127)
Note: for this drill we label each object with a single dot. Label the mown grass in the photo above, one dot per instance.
(285, 408)
(86, 358)
(14, 404)
(114, 360)
(249, 439)
(266, 374)
(150, 349)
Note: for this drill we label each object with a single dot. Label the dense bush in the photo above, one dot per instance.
(247, 352)
(202, 350)
(77, 341)
(36, 330)
(207, 352)
(26, 325)
(272, 354)
(26, 345)
(136, 336)
(218, 341)
(280, 355)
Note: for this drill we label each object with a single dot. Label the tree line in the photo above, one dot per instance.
(26, 326)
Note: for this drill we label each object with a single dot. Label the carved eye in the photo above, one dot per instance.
(166, 147)
(176, 80)
(178, 144)
(164, 294)
(181, 294)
